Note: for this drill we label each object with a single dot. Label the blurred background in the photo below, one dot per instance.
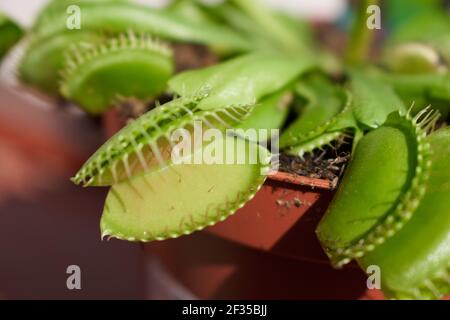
(24, 11)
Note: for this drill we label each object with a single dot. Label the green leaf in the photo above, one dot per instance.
(10, 33)
(243, 80)
(380, 190)
(324, 102)
(270, 113)
(44, 57)
(43, 60)
(116, 17)
(126, 66)
(146, 144)
(55, 8)
(415, 261)
(421, 90)
(184, 198)
(373, 100)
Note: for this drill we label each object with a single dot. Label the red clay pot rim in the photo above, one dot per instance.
(302, 180)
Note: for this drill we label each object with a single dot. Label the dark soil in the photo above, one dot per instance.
(192, 56)
(328, 163)
(130, 109)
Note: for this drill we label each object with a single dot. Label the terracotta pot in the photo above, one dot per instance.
(266, 220)
(266, 250)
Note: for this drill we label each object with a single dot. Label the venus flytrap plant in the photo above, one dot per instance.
(333, 113)
(96, 75)
(124, 153)
(141, 154)
(381, 189)
(389, 210)
(373, 100)
(43, 61)
(116, 17)
(138, 163)
(272, 30)
(415, 261)
(144, 208)
(245, 79)
(125, 164)
(265, 79)
(44, 57)
(264, 28)
(396, 185)
(324, 118)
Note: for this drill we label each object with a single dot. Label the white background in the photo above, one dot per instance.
(24, 10)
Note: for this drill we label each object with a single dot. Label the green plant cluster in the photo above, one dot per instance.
(391, 208)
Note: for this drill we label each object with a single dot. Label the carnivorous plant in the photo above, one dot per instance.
(391, 207)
